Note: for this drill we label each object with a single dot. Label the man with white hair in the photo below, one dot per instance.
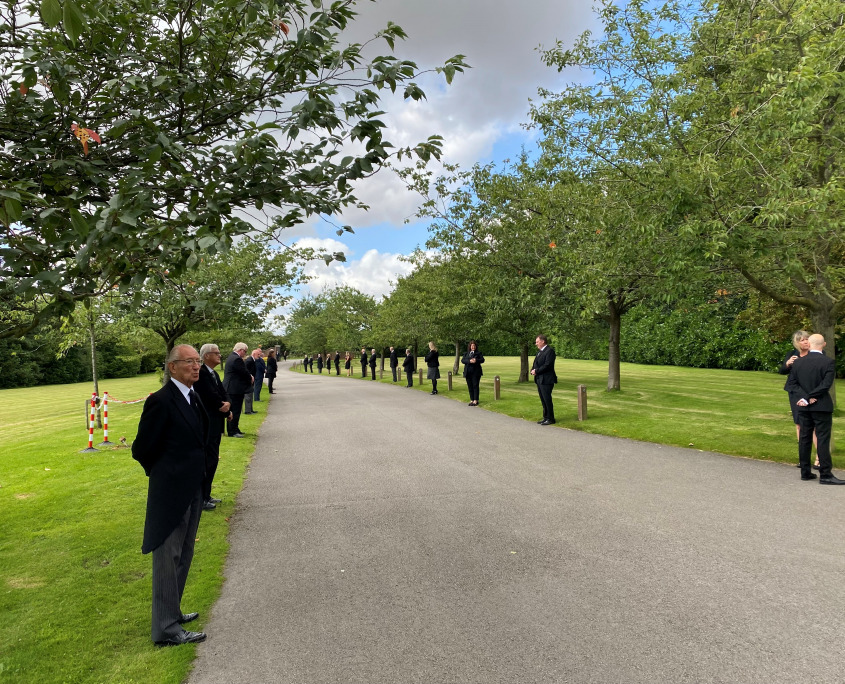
(170, 445)
(237, 381)
(217, 405)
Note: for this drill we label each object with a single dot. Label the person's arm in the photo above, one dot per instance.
(146, 447)
(786, 366)
(824, 385)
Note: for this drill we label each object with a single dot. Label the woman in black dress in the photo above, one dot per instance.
(272, 368)
(348, 364)
(472, 371)
(432, 360)
(801, 342)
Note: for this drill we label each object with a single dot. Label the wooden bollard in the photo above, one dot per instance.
(449, 380)
(582, 402)
(497, 388)
(381, 374)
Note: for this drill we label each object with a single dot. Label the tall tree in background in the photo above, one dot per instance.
(137, 136)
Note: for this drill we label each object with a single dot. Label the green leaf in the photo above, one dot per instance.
(74, 21)
(13, 209)
(51, 12)
(80, 225)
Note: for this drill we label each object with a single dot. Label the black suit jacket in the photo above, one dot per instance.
(235, 375)
(394, 359)
(812, 377)
(473, 369)
(373, 360)
(544, 367)
(408, 364)
(213, 397)
(363, 358)
(171, 447)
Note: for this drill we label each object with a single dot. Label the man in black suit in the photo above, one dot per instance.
(394, 362)
(337, 362)
(237, 381)
(408, 367)
(543, 371)
(170, 445)
(364, 360)
(811, 378)
(249, 364)
(217, 406)
(260, 372)
(373, 364)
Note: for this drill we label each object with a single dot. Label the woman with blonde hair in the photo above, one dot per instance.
(432, 360)
(801, 342)
(348, 364)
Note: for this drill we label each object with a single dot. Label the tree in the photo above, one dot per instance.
(138, 137)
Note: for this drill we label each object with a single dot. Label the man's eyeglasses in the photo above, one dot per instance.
(193, 362)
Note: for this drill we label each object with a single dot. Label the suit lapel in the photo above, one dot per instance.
(187, 411)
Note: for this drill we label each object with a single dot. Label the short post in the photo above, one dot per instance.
(106, 441)
(582, 402)
(449, 380)
(420, 373)
(91, 418)
(497, 388)
(381, 374)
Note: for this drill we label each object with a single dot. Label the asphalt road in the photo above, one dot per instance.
(389, 536)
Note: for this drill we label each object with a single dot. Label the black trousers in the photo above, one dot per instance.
(270, 379)
(373, 371)
(393, 368)
(410, 376)
(337, 367)
(473, 381)
(545, 392)
(363, 370)
(171, 563)
(212, 458)
(822, 423)
(232, 427)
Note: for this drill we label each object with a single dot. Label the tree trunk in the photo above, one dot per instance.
(94, 374)
(457, 364)
(824, 323)
(614, 318)
(169, 343)
(523, 362)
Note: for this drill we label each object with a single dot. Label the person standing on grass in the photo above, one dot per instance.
(171, 447)
(472, 361)
(801, 344)
(432, 360)
(811, 378)
(364, 360)
(543, 371)
(337, 363)
(319, 363)
(260, 370)
(408, 367)
(348, 364)
(249, 362)
(394, 362)
(373, 363)
(216, 404)
(237, 381)
(272, 369)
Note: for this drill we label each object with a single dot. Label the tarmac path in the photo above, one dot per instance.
(386, 536)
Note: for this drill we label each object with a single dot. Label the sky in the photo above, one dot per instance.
(480, 117)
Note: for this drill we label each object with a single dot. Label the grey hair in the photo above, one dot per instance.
(799, 335)
(239, 346)
(176, 353)
(207, 349)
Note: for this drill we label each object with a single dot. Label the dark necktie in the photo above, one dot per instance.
(195, 404)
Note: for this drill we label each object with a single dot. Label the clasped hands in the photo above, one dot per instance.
(804, 402)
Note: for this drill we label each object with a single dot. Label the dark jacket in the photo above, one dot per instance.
(272, 367)
(236, 378)
(363, 358)
(783, 369)
(432, 359)
(473, 369)
(373, 360)
(260, 368)
(408, 364)
(394, 359)
(171, 447)
(213, 396)
(544, 367)
(319, 362)
(811, 378)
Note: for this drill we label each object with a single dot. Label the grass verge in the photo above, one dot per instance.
(74, 586)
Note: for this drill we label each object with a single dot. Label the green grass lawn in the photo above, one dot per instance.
(74, 586)
(742, 413)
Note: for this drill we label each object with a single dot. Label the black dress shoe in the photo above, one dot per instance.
(541, 421)
(831, 479)
(548, 422)
(809, 476)
(817, 467)
(213, 500)
(238, 434)
(208, 506)
(189, 617)
(184, 638)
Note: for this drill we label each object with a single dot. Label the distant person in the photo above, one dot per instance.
(305, 364)
(337, 363)
(801, 344)
(373, 358)
(237, 381)
(472, 361)
(394, 362)
(311, 364)
(347, 364)
(432, 360)
(285, 355)
(260, 371)
(216, 404)
(543, 371)
(811, 378)
(249, 362)
(408, 367)
(319, 363)
(170, 446)
(272, 369)
(364, 360)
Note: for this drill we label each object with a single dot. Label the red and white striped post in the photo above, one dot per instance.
(106, 441)
(91, 419)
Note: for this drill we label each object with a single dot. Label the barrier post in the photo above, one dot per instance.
(582, 402)
(449, 380)
(91, 419)
(106, 441)
(420, 374)
(497, 388)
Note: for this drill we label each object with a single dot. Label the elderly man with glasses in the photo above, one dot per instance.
(170, 445)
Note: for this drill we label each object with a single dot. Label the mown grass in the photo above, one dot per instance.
(74, 586)
(742, 413)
